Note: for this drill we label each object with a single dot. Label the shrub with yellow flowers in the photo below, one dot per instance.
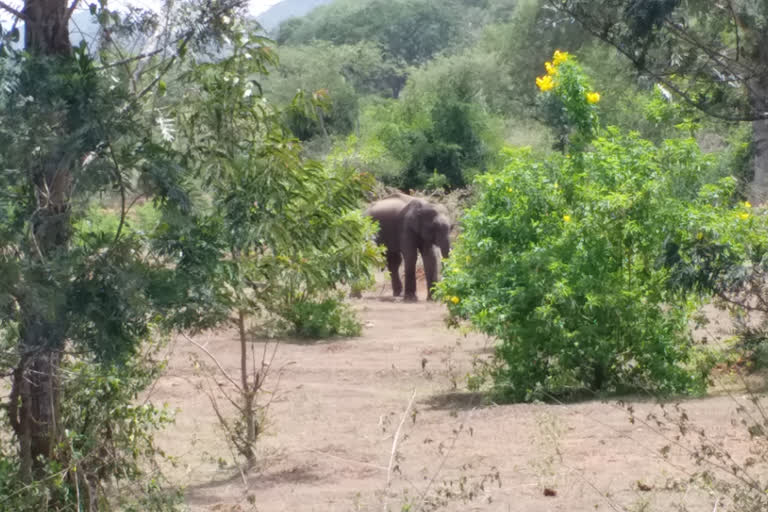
(569, 104)
(587, 266)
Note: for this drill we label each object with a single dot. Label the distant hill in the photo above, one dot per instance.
(278, 13)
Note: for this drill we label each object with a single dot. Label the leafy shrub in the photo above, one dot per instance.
(566, 258)
(323, 318)
(107, 436)
(437, 127)
(562, 266)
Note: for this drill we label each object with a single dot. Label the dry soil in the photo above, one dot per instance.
(337, 404)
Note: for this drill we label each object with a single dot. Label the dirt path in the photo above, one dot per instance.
(339, 403)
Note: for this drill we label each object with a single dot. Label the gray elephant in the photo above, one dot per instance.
(409, 226)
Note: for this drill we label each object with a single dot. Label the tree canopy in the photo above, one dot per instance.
(712, 55)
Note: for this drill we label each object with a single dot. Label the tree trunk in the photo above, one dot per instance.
(758, 189)
(249, 394)
(758, 99)
(34, 410)
(35, 392)
(46, 30)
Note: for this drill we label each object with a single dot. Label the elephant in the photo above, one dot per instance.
(409, 226)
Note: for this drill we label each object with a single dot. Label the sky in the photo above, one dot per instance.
(256, 7)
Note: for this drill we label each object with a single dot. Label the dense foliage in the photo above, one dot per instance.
(711, 55)
(212, 213)
(437, 120)
(166, 174)
(291, 225)
(565, 258)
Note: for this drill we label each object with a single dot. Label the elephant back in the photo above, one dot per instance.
(388, 212)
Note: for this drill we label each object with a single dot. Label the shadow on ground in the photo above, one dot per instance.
(457, 401)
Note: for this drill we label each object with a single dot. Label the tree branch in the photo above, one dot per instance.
(216, 361)
(393, 454)
(134, 58)
(13, 11)
(736, 29)
(71, 10)
(639, 65)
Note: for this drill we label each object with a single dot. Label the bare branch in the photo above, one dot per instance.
(13, 11)
(395, 442)
(448, 450)
(216, 361)
(121, 184)
(71, 10)
(735, 28)
(134, 58)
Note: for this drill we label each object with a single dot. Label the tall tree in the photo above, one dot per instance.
(714, 55)
(72, 127)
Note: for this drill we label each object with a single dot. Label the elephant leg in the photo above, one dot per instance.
(429, 257)
(393, 264)
(410, 255)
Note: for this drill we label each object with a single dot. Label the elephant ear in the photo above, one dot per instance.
(411, 216)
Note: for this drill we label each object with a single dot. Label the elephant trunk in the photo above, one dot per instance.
(445, 248)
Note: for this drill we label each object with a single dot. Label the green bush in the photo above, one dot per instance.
(107, 436)
(566, 259)
(562, 265)
(322, 318)
(98, 220)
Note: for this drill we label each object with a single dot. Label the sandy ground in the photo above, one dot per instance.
(338, 403)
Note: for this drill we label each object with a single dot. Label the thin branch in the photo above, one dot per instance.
(13, 11)
(345, 459)
(71, 10)
(216, 361)
(603, 36)
(752, 395)
(735, 29)
(128, 60)
(677, 442)
(395, 442)
(121, 183)
(456, 434)
(164, 71)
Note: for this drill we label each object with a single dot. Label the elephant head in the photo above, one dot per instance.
(430, 223)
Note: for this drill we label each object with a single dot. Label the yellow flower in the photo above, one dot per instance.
(699, 235)
(545, 83)
(551, 68)
(455, 299)
(510, 190)
(593, 97)
(747, 204)
(566, 218)
(556, 185)
(559, 57)
(743, 215)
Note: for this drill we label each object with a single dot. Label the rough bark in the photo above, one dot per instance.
(46, 30)
(35, 409)
(758, 190)
(35, 392)
(758, 99)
